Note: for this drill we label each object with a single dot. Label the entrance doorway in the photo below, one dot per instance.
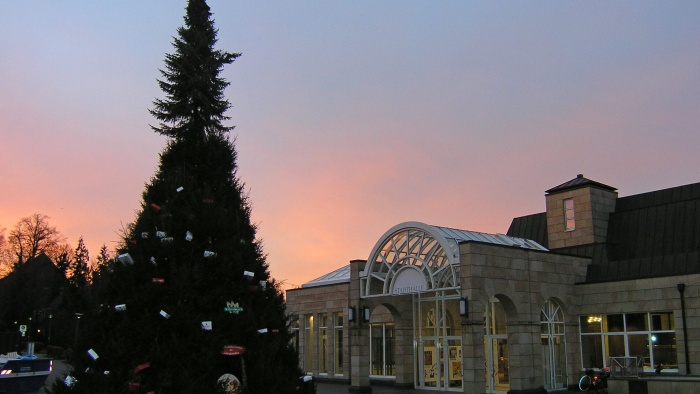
(496, 348)
(438, 341)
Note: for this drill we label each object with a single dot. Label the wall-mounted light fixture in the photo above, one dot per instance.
(351, 314)
(463, 307)
(365, 314)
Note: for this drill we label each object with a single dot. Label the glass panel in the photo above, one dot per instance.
(376, 348)
(430, 363)
(664, 349)
(559, 353)
(546, 363)
(498, 318)
(591, 323)
(638, 345)
(323, 344)
(662, 321)
(591, 351)
(338, 351)
(501, 378)
(389, 351)
(637, 322)
(614, 346)
(454, 363)
(613, 323)
(309, 344)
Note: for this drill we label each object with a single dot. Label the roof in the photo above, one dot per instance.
(650, 234)
(578, 182)
(341, 275)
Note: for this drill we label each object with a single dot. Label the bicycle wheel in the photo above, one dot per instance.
(585, 383)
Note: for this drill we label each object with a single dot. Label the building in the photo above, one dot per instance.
(596, 280)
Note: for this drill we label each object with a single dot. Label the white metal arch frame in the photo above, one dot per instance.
(432, 250)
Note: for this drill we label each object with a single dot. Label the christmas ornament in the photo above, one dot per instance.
(263, 285)
(164, 314)
(155, 207)
(120, 307)
(262, 331)
(233, 307)
(249, 275)
(179, 189)
(229, 383)
(206, 325)
(93, 354)
(167, 240)
(188, 236)
(125, 259)
(160, 234)
(153, 260)
(208, 253)
(144, 234)
(158, 280)
(70, 381)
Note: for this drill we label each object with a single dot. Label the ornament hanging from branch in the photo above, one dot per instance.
(249, 275)
(125, 259)
(153, 261)
(262, 331)
(188, 236)
(155, 207)
(233, 307)
(208, 253)
(158, 280)
(164, 314)
(93, 355)
(179, 189)
(120, 307)
(206, 325)
(144, 234)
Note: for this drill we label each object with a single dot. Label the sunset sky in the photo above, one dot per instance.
(353, 116)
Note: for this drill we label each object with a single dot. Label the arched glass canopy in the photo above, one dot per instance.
(414, 257)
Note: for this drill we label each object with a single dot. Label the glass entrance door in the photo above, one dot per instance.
(438, 341)
(496, 348)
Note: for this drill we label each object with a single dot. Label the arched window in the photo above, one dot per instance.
(553, 345)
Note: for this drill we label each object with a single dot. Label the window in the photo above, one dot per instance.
(295, 335)
(569, 220)
(649, 337)
(309, 344)
(323, 343)
(338, 343)
(381, 349)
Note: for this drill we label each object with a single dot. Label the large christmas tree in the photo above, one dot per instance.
(188, 305)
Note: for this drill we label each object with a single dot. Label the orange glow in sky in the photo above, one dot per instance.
(353, 117)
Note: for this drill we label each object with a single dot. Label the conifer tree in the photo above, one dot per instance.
(190, 287)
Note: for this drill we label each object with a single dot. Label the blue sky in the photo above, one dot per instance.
(353, 116)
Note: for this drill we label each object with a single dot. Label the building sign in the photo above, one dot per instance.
(409, 280)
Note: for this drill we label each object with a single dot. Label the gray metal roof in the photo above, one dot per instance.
(341, 275)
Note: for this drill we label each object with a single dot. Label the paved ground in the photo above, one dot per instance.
(334, 388)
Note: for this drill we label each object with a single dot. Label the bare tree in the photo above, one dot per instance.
(5, 255)
(33, 236)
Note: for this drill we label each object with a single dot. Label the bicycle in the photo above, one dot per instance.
(593, 380)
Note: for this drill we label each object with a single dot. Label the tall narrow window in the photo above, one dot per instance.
(309, 344)
(382, 350)
(295, 335)
(570, 221)
(323, 343)
(338, 319)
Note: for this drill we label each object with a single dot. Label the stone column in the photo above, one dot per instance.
(525, 358)
(473, 362)
(359, 335)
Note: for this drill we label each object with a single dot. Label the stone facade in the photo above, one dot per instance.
(523, 280)
(592, 206)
